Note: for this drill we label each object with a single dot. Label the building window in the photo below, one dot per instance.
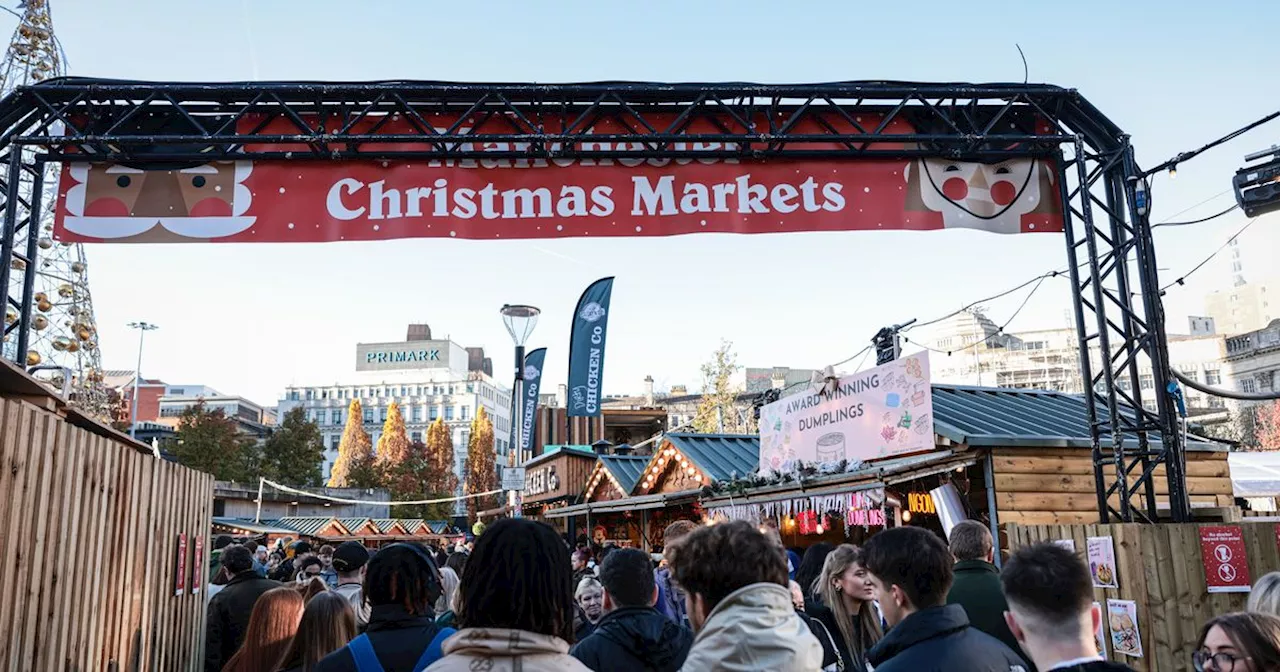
(335, 441)
(463, 410)
(368, 415)
(416, 437)
(1217, 402)
(1146, 381)
(1212, 377)
(433, 413)
(448, 413)
(336, 417)
(311, 394)
(382, 414)
(417, 414)
(404, 391)
(1247, 386)
(293, 395)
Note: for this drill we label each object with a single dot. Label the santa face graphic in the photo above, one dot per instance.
(992, 197)
(123, 204)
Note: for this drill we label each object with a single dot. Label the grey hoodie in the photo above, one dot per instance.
(755, 628)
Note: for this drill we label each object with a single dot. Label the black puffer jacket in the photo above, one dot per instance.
(940, 639)
(228, 618)
(635, 638)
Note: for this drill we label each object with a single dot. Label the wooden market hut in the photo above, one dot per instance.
(555, 479)
(667, 487)
(1016, 456)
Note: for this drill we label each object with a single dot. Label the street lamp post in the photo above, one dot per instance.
(520, 321)
(143, 328)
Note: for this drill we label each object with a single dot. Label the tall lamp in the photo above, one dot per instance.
(520, 321)
(143, 328)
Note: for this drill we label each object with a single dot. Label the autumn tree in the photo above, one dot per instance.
(393, 445)
(354, 466)
(439, 480)
(294, 452)
(1267, 425)
(481, 469)
(718, 412)
(209, 441)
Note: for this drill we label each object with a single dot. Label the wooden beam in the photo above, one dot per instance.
(1085, 484)
(1192, 455)
(1082, 465)
(1043, 501)
(1049, 517)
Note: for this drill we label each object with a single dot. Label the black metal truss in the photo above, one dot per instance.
(144, 123)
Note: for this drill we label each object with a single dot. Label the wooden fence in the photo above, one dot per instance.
(1160, 568)
(89, 529)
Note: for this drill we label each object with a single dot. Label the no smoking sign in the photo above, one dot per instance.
(1226, 566)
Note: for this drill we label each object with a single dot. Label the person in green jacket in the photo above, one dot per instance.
(977, 581)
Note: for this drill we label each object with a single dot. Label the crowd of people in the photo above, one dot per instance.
(726, 597)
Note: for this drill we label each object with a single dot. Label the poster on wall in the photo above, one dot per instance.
(1100, 635)
(1226, 565)
(197, 563)
(1122, 615)
(180, 567)
(1102, 562)
(1069, 544)
(882, 412)
(266, 201)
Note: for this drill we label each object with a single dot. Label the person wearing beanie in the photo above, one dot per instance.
(349, 561)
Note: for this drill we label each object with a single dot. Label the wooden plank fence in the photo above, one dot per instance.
(89, 529)
(1160, 568)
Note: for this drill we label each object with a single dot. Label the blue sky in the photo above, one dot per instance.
(250, 319)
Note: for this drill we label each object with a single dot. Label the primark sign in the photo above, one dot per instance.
(396, 356)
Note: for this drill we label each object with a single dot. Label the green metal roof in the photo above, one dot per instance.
(719, 456)
(384, 524)
(986, 416)
(354, 524)
(626, 469)
(441, 527)
(411, 524)
(264, 527)
(303, 525)
(550, 451)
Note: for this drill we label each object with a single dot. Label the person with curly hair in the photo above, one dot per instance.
(739, 603)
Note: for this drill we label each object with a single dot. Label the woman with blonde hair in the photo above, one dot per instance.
(1265, 597)
(848, 606)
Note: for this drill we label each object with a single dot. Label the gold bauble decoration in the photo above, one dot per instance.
(33, 358)
(77, 266)
(60, 343)
(65, 291)
(45, 243)
(39, 322)
(44, 306)
(83, 334)
(72, 346)
(18, 265)
(89, 345)
(10, 316)
(41, 296)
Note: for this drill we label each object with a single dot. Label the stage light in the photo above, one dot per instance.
(1257, 186)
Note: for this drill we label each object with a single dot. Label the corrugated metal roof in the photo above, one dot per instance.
(305, 525)
(625, 469)
(986, 416)
(440, 527)
(263, 527)
(719, 456)
(384, 524)
(411, 524)
(353, 525)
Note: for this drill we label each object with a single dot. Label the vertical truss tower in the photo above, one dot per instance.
(60, 341)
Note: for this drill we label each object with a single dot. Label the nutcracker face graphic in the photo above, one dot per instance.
(995, 197)
(124, 204)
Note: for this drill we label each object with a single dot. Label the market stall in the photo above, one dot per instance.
(555, 479)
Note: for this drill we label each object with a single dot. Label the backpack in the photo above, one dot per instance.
(367, 661)
(831, 660)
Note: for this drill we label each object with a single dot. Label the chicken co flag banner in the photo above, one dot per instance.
(532, 385)
(586, 349)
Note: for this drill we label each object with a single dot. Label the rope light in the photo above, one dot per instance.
(340, 500)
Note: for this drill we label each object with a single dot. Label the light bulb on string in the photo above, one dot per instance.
(1173, 171)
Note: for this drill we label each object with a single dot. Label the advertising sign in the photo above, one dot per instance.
(586, 349)
(1101, 552)
(1226, 566)
(513, 478)
(1100, 635)
(274, 201)
(532, 386)
(1122, 616)
(180, 567)
(197, 564)
(881, 412)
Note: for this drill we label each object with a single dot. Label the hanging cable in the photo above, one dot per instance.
(1197, 221)
(999, 330)
(1219, 392)
(1187, 156)
(340, 500)
(1182, 280)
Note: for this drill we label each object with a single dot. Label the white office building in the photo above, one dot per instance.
(428, 379)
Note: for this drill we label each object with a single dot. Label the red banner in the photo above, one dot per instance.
(1226, 566)
(314, 201)
(180, 568)
(197, 565)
